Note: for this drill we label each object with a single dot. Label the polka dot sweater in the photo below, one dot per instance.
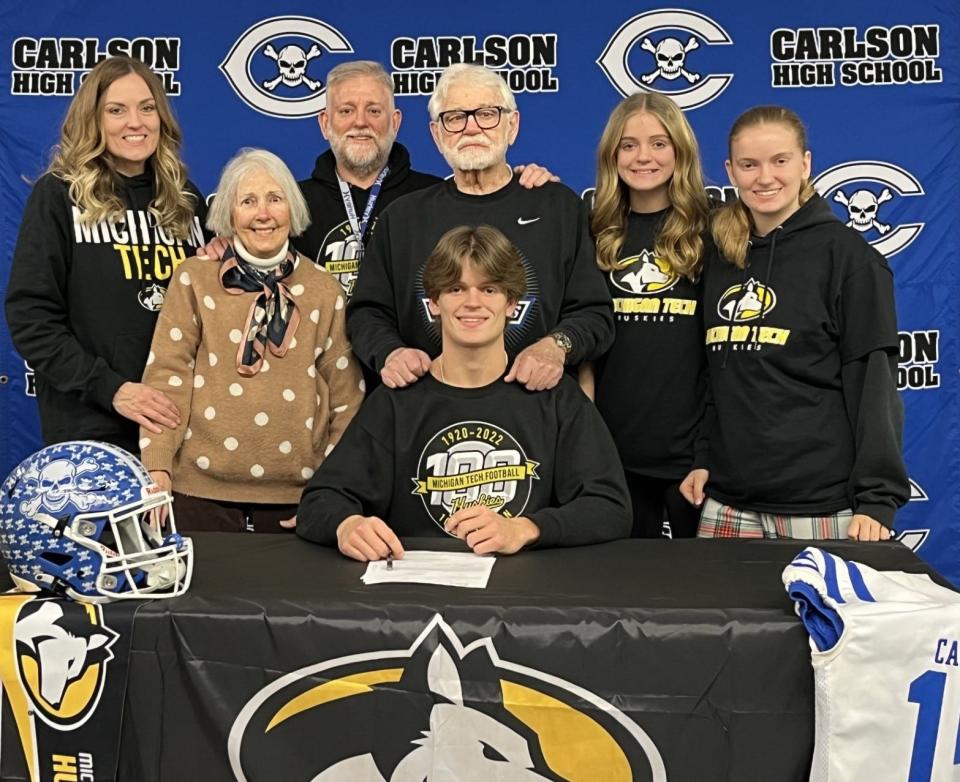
(249, 439)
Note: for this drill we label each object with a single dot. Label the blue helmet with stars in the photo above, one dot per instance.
(82, 519)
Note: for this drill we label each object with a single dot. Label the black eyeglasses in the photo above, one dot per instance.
(486, 117)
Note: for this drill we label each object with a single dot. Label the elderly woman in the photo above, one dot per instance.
(101, 234)
(253, 351)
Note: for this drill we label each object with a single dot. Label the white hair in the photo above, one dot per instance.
(246, 161)
(476, 75)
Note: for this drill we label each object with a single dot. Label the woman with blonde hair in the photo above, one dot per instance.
(102, 232)
(649, 219)
(801, 335)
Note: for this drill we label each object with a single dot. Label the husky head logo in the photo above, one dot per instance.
(741, 303)
(644, 274)
(862, 205)
(669, 72)
(152, 297)
(62, 652)
(438, 710)
(268, 66)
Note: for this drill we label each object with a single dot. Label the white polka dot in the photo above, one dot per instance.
(340, 409)
(235, 336)
(266, 366)
(175, 381)
(297, 290)
(317, 352)
(203, 462)
(236, 389)
(191, 363)
(343, 362)
(198, 381)
(317, 400)
(175, 334)
(315, 316)
(363, 384)
(256, 471)
(184, 278)
(339, 303)
(212, 358)
(194, 319)
(293, 343)
(144, 442)
(210, 413)
(188, 434)
(328, 343)
(261, 419)
(209, 303)
(231, 443)
(309, 423)
(289, 395)
(328, 449)
(312, 371)
(151, 358)
(307, 473)
(285, 447)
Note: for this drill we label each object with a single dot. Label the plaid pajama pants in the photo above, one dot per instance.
(723, 521)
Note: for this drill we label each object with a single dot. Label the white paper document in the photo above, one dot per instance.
(460, 569)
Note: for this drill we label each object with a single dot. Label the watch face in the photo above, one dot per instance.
(562, 340)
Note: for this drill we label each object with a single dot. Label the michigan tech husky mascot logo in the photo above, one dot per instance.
(438, 710)
(644, 274)
(742, 303)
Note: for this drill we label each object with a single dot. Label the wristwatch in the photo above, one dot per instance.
(563, 341)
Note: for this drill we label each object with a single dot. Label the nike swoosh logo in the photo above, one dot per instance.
(526, 220)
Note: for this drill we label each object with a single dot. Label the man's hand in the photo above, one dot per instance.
(290, 523)
(147, 406)
(863, 527)
(403, 367)
(538, 366)
(532, 175)
(162, 482)
(692, 486)
(214, 249)
(367, 538)
(487, 532)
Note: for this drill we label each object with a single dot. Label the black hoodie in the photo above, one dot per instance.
(329, 237)
(83, 300)
(801, 348)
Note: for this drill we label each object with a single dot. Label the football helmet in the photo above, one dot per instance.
(75, 519)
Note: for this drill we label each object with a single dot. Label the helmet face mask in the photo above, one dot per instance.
(75, 519)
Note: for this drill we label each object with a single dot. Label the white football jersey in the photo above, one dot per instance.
(884, 648)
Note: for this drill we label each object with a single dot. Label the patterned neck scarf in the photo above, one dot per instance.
(273, 317)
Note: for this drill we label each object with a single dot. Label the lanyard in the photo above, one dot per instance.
(359, 228)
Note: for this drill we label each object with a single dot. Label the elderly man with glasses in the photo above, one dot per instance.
(564, 318)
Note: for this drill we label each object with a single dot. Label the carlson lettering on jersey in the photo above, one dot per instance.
(470, 464)
(437, 704)
(673, 70)
(919, 355)
(275, 65)
(813, 56)
(525, 62)
(862, 204)
(57, 66)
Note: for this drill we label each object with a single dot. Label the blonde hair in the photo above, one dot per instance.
(492, 253)
(732, 225)
(81, 158)
(679, 241)
(245, 162)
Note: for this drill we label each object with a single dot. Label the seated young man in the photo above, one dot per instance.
(462, 452)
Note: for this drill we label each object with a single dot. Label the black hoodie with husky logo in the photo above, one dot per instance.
(802, 350)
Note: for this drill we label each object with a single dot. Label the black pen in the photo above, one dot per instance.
(389, 561)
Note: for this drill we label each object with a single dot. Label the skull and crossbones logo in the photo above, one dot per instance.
(862, 209)
(56, 485)
(670, 55)
(292, 66)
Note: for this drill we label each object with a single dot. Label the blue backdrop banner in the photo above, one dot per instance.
(878, 86)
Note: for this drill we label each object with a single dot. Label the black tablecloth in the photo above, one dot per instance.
(694, 641)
